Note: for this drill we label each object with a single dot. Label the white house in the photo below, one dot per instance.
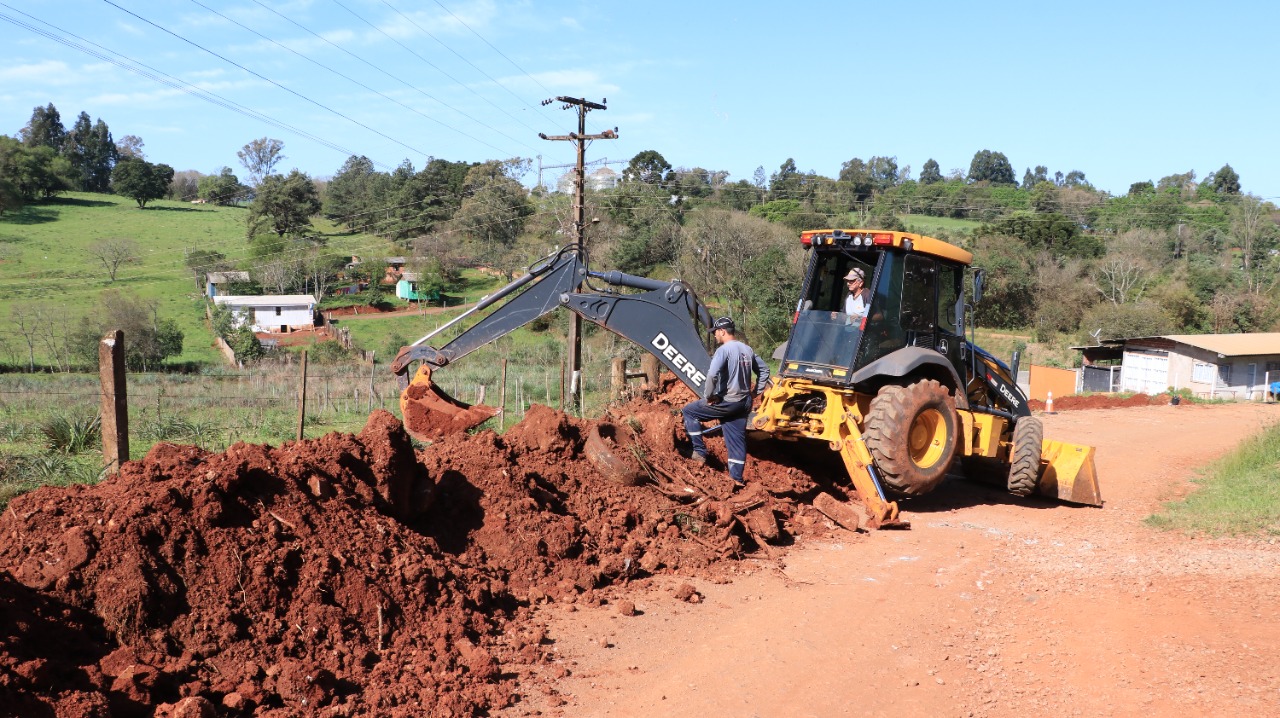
(276, 313)
(1237, 366)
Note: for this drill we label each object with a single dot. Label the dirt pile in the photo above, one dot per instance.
(1103, 401)
(267, 581)
(347, 575)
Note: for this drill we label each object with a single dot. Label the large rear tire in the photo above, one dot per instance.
(911, 433)
(1024, 468)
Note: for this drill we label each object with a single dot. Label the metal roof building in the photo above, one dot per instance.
(1240, 366)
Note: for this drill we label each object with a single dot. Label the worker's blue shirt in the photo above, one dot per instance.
(729, 376)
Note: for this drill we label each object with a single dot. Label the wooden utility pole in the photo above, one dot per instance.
(115, 402)
(302, 396)
(580, 140)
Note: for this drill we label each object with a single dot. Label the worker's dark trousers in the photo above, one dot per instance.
(733, 422)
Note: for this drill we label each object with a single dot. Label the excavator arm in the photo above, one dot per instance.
(664, 318)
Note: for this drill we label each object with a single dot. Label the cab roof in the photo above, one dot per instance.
(884, 238)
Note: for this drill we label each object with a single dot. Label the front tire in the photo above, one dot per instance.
(1024, 468)
(911, 434)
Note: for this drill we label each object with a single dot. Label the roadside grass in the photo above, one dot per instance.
(45, 260)
(1237, 494)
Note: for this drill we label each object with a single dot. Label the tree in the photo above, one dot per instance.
(45, 129)
(141, 181)
(494, 213)
(130, 147)
(260, 157)
(1075, 178)
(1120, 280)
(759, 178)
(648, 167)
(1031, 179)
(184, 186)
(348, 191)
(114, 252)
(100, 158)
(76, 148)
(993, 167)
(930, 173)
(1226, 181)
(150, 339)
(223, 188)
(30, 173)
(1136, 319)
(284, 205)
(1143, 187)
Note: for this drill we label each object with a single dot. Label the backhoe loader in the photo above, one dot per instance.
(900, 393)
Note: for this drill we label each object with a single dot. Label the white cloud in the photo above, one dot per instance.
(127, 28)
(571, 22)
(584, 81)
(53, 72)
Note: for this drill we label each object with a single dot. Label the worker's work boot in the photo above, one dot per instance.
(699, 459)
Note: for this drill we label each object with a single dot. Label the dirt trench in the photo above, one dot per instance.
(352, 574)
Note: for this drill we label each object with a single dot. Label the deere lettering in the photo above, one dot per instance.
(683, 366)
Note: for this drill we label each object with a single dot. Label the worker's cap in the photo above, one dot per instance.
(724, 323)
(853, 274)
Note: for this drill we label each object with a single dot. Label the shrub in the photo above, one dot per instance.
(71, 435)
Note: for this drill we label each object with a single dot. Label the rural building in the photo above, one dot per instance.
(395, 268)
(407, 289)
(272, 313)
(215, 282)
(1239, 366)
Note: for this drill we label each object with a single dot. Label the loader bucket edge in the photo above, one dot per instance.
(1069, 473)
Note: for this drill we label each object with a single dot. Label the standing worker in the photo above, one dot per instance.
(727, 397)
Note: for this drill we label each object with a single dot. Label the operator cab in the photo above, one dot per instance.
(828, 344)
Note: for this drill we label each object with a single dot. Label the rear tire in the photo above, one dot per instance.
(1024, 468)
(911, 434)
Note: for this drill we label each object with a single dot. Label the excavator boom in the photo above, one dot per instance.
(663, 318)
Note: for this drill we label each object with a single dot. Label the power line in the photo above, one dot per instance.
(388, 74)
(411, 21)
(264, 78)
(139, 68)
(368, 87)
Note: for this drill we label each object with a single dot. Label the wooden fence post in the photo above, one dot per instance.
(617, 378)
(302, 396)
(562, 372)
(652, 369)
(115, 402)
(502, 409)
(372, 367)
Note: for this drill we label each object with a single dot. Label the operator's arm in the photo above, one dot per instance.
(712, 387)
(762, 374)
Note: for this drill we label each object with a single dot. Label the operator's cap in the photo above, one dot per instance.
(853, 274)
(724, 323)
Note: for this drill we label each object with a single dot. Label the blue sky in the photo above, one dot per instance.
(1124, 91)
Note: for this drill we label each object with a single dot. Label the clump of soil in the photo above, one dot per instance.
(349, 575)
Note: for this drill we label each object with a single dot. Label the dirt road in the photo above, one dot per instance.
(988, 606)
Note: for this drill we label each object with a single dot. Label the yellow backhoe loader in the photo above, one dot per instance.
(893, 385)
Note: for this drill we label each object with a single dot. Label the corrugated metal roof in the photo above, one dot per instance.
(1232, 345)
(267, 300)
(1228, 345)
(224, 277)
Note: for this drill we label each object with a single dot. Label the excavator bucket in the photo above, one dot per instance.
(430, 414)
(1069, 473)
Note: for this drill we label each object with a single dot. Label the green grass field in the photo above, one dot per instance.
(925, 224)
(1238, 494)
(45, 260)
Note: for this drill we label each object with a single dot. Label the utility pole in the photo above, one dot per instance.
(580, 140)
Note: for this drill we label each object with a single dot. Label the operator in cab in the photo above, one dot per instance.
(859, 299)
(727, 397)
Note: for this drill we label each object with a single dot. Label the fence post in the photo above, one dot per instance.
(617, 378)
(302, 395)
(115, 403)
(562, 363)
(372, 367)
(502, 410)
(652, 369)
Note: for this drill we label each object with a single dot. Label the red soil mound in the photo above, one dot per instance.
(347, 575)
(1101, 401)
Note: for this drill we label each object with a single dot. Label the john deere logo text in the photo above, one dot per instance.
(682, 365)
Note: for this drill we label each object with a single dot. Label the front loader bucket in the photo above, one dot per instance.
(430, 414)
(1069, 473)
